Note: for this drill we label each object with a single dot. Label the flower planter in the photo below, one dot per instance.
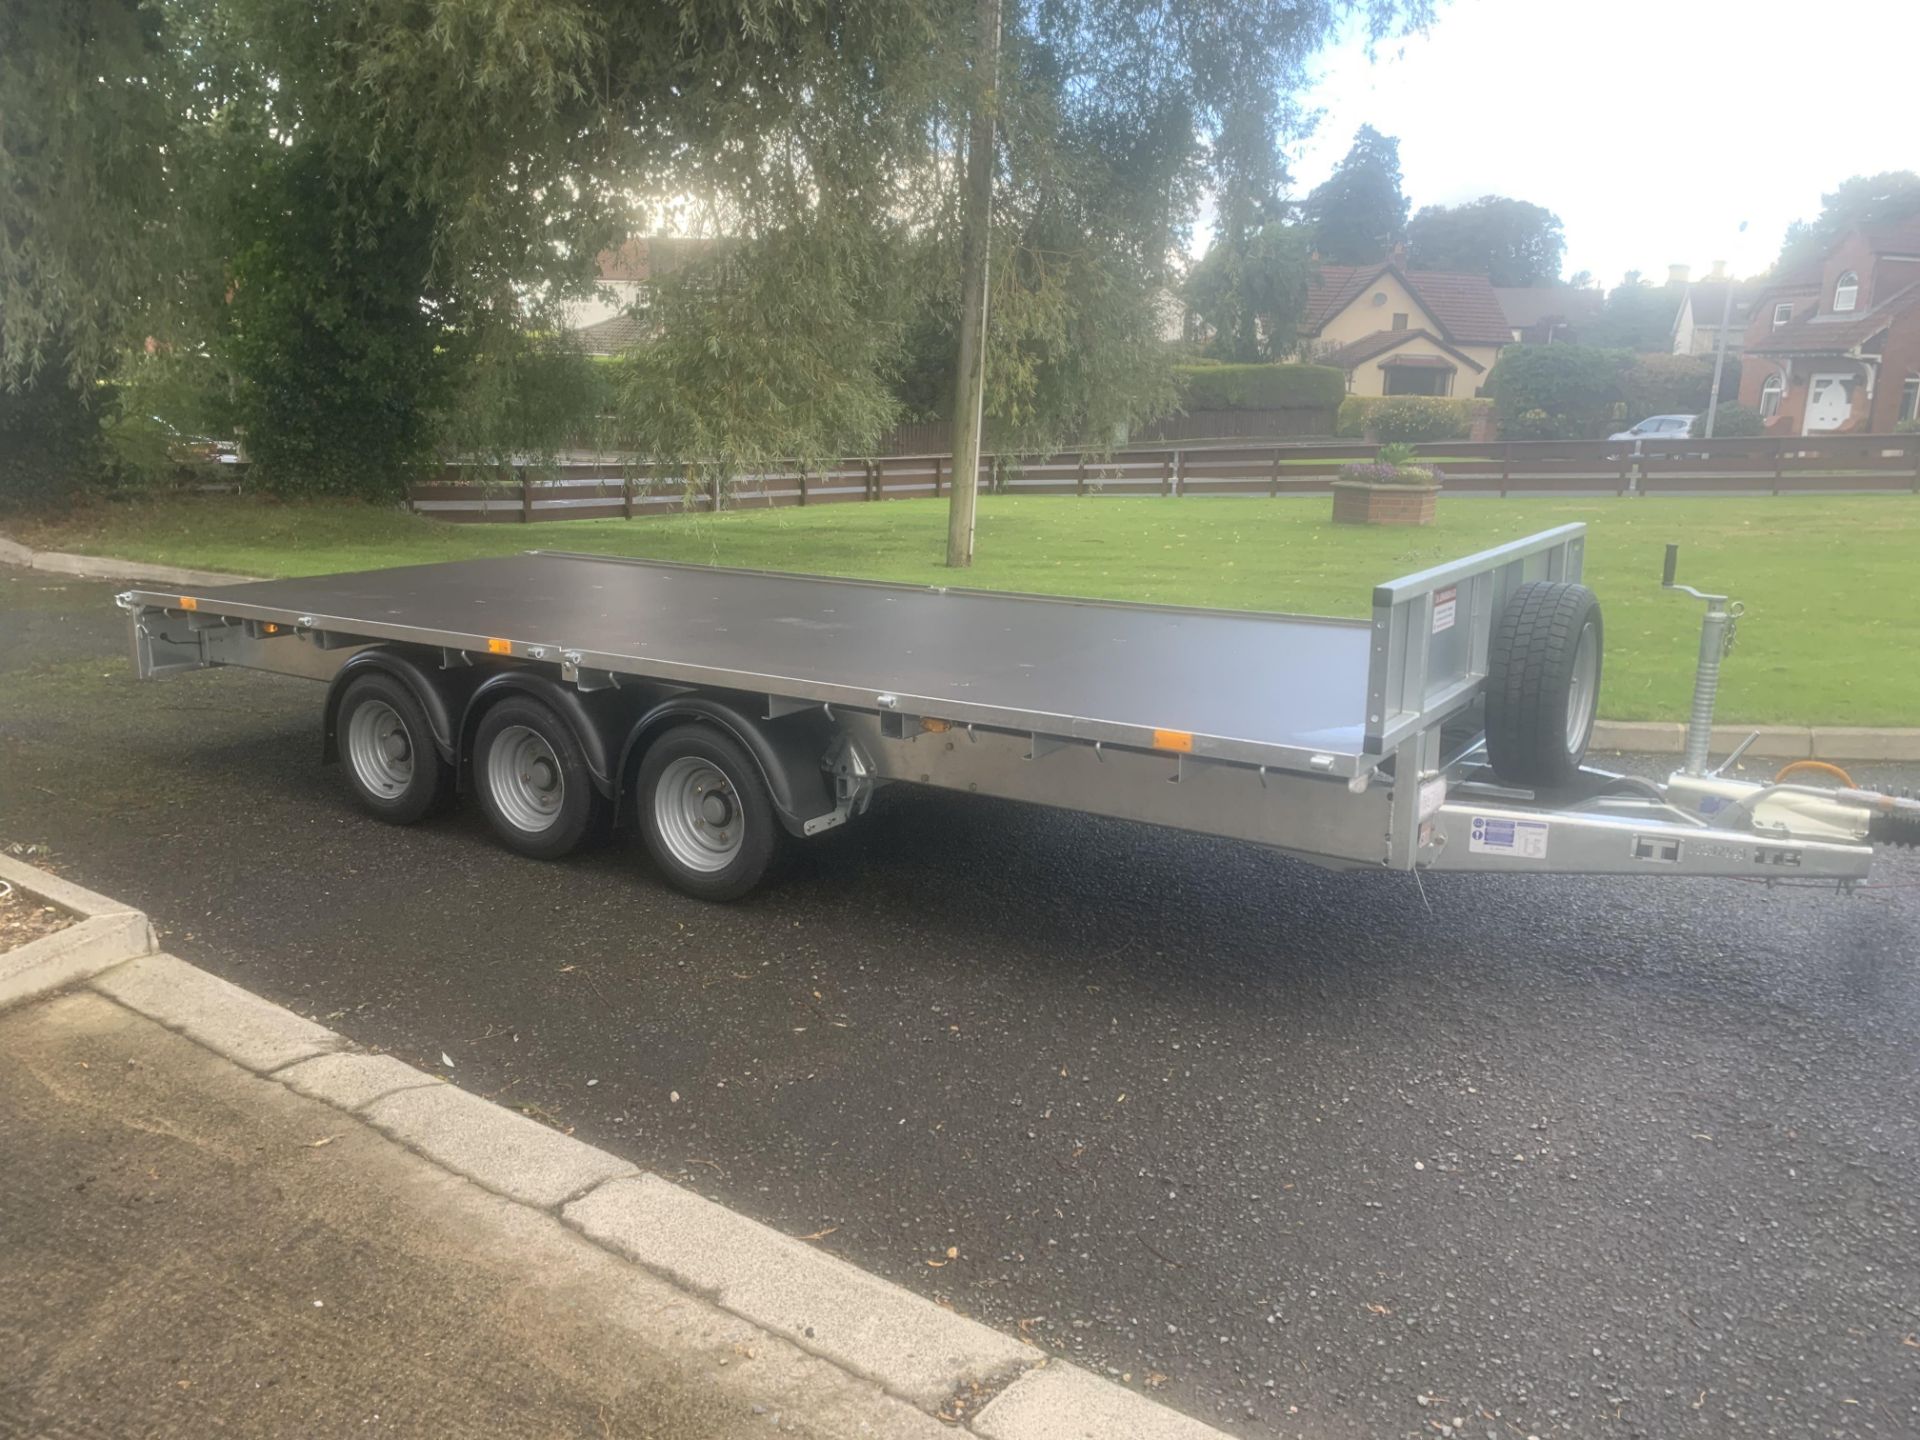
(1364, 502)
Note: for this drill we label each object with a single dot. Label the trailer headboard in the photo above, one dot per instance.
(1432, 630)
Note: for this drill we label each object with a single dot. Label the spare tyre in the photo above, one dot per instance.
(1543, 683)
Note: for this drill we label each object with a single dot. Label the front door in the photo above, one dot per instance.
(1829, 403)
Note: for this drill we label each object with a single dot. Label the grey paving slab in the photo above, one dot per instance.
(182, 1259)
(908, 1344)
(507, 1153)
(243, 1027)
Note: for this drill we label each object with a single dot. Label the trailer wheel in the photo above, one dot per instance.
(532, 778)
(393, 766)
(1543, 683)
(705, 812)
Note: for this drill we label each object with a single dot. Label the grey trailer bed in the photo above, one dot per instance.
(1350, 742)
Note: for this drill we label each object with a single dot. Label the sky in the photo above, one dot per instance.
(1652, 128)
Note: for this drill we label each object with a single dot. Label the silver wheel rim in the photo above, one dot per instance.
(380, 749)
(697, 813)
(524, 779)
(1580, 694)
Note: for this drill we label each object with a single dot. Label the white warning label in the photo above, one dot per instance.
(1446, 606)
(1519, 839)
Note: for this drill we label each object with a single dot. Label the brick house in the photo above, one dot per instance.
(615, 318)
(1404, 332)
(1835, 346)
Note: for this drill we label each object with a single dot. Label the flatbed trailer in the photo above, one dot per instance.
(724, 709)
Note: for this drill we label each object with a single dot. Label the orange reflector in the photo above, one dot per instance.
(270, 628)
(1181, 740)
(187, 602)
(499, 647)
(933, 726)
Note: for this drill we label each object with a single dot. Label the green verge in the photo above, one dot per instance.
(1831, 584)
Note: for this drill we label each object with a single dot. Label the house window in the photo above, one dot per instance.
(1846, 291)
(1770, 394)
(1417, 380)
(1379, 297)
(1782, 313)
(1399, 322)
(1910, 400)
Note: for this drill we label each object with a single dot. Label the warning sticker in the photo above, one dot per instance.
(1518, 839)
(1446, 605)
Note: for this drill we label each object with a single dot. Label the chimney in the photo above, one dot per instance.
(1719, 270)
(1677, 274)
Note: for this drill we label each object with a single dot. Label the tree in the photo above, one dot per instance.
(1637, 316)
(1861, 200)
(1511, 242)
(1358, 213)
(354, 199)
(1252, 295)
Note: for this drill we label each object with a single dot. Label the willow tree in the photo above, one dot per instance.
(344, 203)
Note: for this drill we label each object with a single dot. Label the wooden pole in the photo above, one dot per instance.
(971, 363)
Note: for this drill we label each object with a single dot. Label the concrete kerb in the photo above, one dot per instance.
(867, 1327)
(99, 567)
(108, 933)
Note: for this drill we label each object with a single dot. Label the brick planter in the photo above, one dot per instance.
(1361, 502)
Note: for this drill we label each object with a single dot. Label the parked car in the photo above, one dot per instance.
(1659, 427)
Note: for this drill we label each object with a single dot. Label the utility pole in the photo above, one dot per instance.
(1720, 353)
(976, 228)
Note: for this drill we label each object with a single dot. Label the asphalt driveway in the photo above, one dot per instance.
(1291, 1149)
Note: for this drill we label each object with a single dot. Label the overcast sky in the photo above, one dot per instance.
(1652, 128)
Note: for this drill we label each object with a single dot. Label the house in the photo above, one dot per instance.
(1548, 314)
(1836, 346)
(1404, 332)
(615, 319)
(1696, 325)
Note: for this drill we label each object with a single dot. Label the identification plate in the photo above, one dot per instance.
(1517, 839)
(1446, 606)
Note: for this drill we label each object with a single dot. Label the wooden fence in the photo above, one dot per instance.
(581, 490)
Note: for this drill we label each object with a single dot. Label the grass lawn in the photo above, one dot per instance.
(1832, 584)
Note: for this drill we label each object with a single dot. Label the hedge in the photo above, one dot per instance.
(1413, 419)
(1260, 387)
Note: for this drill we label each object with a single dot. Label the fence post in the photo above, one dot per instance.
(713, 494)
(1914, 441)
(1166, 475)
(879, 477)
(1273, 480)
(936, 477)
(803, 486)
(526, 495)
(626, 494)
(1506, 467)
(1080, 476)
(1179, 472)
(1780, 467)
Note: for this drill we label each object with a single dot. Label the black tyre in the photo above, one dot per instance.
(705, 812)
(393, 766)
(1543, 683)
(532, 778)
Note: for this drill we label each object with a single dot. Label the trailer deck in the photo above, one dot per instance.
(1260, 687)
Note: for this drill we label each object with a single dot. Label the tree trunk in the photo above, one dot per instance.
(977, 222)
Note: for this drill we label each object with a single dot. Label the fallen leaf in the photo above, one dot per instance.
(1379, 1309)
(1155, 1379)
(323, 1140)
(446, 1060)
(953, 1252)
(936, 1264)
(818, 1234)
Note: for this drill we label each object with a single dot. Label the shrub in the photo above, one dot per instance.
(1673, 384)
(1383, 473)
(1575, 386)
(1400, 454)
(1732, 422)
(1418, 419)
(1539, 425)
(1260, 387)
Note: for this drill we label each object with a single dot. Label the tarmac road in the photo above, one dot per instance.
(1555, 1157)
